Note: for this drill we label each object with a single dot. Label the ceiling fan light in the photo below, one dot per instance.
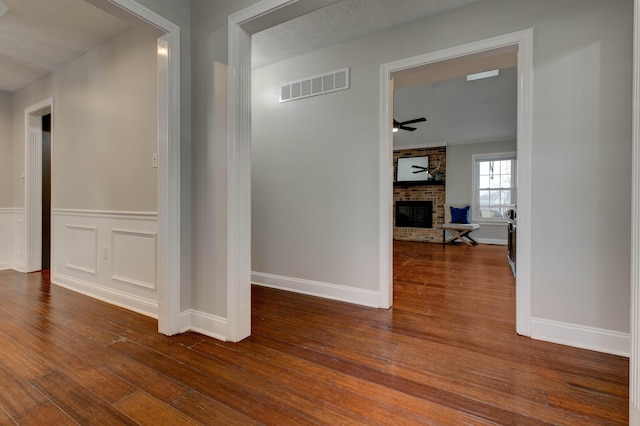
(481, 75)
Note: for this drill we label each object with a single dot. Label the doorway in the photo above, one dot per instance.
(33, 182)
(46, 192)
(239, 139)
(523, 40)
(468, 121)
(170, 239)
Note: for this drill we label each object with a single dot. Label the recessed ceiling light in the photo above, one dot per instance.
(3, 8)
(482, 75)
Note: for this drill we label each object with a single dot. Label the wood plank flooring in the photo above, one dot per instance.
(446, 354)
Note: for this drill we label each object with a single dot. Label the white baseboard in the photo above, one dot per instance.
(315, 288)
(492, 241)
(11, 265)
(595, 339)
(129, 301)
(203, 323)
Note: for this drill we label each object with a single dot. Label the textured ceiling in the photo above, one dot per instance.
(38, 36)
(339, 22)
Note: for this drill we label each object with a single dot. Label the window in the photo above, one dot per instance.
(494, 186)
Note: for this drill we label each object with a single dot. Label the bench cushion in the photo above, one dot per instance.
(472, 226)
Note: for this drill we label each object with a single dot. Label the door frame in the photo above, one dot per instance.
(239, 167)
(524, 41)
(33, 181)
(634, 358)
(264, 14)
(169, 202)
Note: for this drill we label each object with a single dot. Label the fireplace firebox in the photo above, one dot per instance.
(414, 214)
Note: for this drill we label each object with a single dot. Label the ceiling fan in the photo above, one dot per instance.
(397, 125)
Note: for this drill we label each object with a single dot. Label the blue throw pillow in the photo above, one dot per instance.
(460, 215)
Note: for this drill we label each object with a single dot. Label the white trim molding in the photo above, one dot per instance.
(316, 288)
(524, 41)
(239, 172)
(579, 336)
(109, 214)
(204, 323)
(33, 181)
(634, 361)
(139, 304)
(492, 241)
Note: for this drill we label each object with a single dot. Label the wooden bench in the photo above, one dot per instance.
(459, 231)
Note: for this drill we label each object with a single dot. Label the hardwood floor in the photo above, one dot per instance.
(445, 354)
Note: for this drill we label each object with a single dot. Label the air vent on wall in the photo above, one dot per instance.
(318, 85)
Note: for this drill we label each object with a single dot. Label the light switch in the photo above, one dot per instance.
(154, 160)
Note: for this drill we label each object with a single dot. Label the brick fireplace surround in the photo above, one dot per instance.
(434, 193)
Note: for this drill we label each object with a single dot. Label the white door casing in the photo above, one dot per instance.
(634, 360)
(524, 41)
(33, 183)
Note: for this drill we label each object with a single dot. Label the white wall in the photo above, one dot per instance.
(460, 181)
(327, 158)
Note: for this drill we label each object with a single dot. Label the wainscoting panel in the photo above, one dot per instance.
(12, 238)
(81, 243)
(111, 256)
(134, 257)
(6, 238)
(18, 240)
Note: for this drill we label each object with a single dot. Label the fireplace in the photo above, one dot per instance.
(414, 214)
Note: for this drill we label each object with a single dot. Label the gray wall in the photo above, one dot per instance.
(460, 179)
(209, 80)
(104, 127)
(581, 150)
(6, 150)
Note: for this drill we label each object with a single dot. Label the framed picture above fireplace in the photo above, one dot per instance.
(413, 169)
